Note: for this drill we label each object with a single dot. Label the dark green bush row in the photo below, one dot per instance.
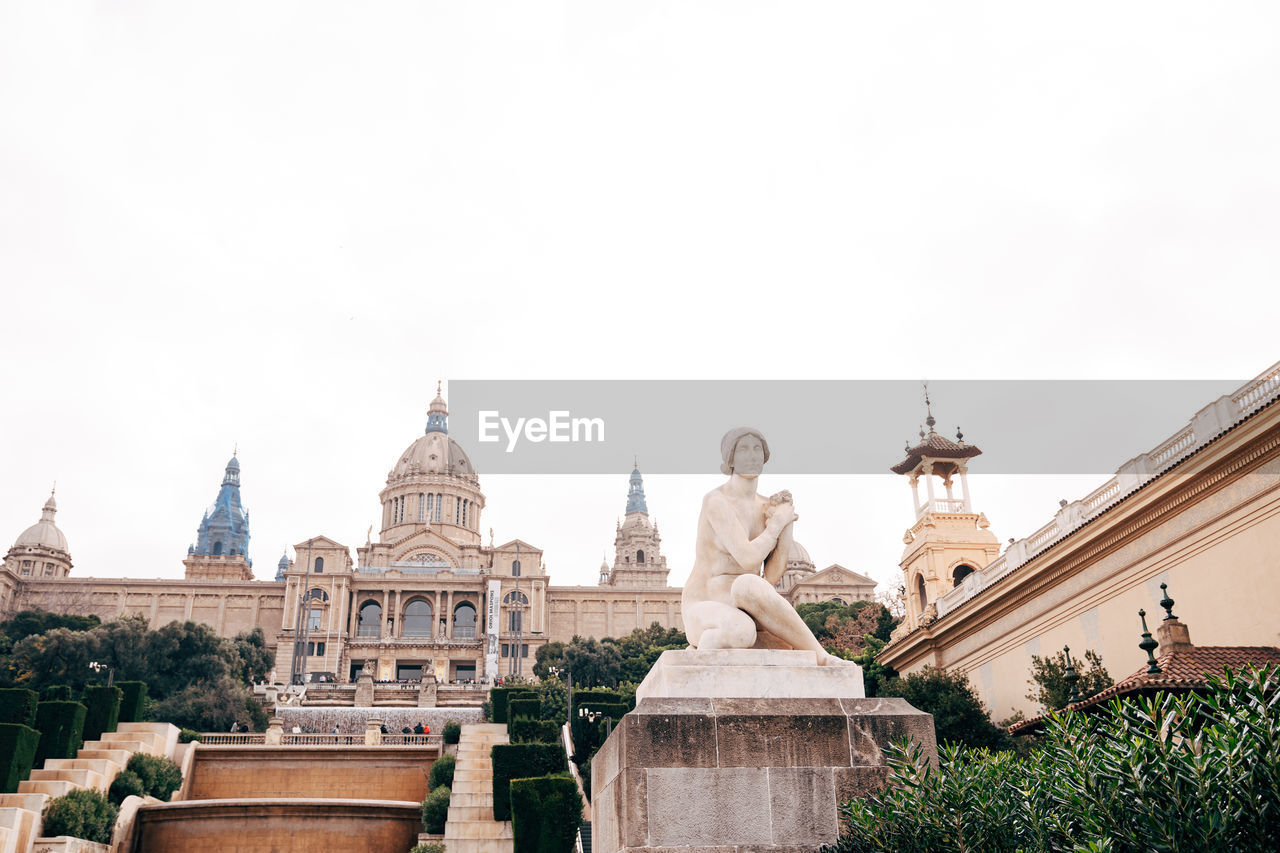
(452, 731)
(188, 735)
(18, 705)
(520, 761)
(132, 701)
(1189, 772)
(56, 693)
(61, 727)
(102, 709)
(587, 736)
(500, 696)
(545, 814)
(18, 746)
(435, 808)
(523, 708)
(442, 772)
(534, 731)
(81, 814)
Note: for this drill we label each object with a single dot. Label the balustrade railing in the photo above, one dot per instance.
(318, 739)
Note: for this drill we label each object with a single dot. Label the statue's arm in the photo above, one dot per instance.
(732, 537)
(775, 565)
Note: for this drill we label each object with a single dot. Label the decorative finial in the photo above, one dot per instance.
(907, 445)
(928, 407)
(235, 449)
(1149, 645)
(54, 490)
(490, 538)
(1167, 602)
(922, 432)
(959, 435)
(439, 388)
(1071, 677)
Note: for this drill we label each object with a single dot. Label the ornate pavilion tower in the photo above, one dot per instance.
(221, 549)
(638, 562)
(948, 540)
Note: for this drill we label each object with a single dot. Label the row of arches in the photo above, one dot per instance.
(958, 574)
(430, 508)
(416, 620)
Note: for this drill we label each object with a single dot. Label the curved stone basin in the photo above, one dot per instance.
(277, 826)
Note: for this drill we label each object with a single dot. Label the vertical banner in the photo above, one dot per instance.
(491, 625)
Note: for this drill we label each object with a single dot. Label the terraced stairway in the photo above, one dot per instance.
(470, 827)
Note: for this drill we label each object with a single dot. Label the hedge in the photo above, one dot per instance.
(452, 731)
(545, 814)
(18, 706)
(132, 701)
(61, 727)
(102, 710)
(435, 809)
(442, 772)
(588, 736)
(534, 731)
(520, 761)
(83, 813)
(56, 693)
(160, 776)
(18, 744)
(500, 696)
(523, 709)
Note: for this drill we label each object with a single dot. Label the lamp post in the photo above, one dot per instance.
(591, 716)
(98, 667)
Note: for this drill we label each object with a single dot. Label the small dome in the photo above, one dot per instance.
(799, 554)
(284, 562)
(234, 463)
(44, 533)
(434, 453)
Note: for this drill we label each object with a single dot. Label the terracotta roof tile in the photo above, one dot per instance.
(936, 447)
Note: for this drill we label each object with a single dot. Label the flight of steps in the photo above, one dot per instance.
(95, 766)
(470, 827)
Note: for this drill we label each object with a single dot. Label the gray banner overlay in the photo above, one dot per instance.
(816, 426)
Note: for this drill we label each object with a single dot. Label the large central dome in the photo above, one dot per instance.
(435, 452)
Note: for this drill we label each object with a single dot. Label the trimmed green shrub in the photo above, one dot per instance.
(429, 847)
(61, 727)
(188, 735)
(18, 706)
(127, 783)
(133, 701)
(587, 736)
(435, 808)
(545, 814)
(452, 731)
(520, 761)
(534, 731)
(160, 776)
(442, 772)
(81, 814)
(18, 744)
(523, 709)
(500, 696)
(1184, 772)
(56, 693)
(102, 709)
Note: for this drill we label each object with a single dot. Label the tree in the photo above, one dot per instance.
(211, 707)
(1049, 685)
(29, 622)
(255, 660)
(958, 715)
(592, 663)
(555, 698)
(548, 655)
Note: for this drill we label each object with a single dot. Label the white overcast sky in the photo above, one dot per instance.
(278, 224)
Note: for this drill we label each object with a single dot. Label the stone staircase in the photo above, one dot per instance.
(470, 827)
(95, 766)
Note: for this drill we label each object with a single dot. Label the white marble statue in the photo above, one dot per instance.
(743, 541)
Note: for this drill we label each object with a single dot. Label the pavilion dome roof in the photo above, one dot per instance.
(44, 533)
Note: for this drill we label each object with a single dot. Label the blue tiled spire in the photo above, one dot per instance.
(438, 414)
(635, 495)
(282, 566)
(224, 530)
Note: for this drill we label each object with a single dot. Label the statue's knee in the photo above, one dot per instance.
(746, 591)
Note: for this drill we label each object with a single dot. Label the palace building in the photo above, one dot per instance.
(1199, 512)
(427, 596)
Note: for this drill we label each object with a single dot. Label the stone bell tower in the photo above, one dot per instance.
(948, 540)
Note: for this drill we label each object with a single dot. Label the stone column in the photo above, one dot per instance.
(364, 689)
(448, 625)
(398, 631)
(275, 731)
(436, 616)
(373, 732)
(386, 606)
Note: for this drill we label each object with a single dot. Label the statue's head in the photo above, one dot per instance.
(747, 440)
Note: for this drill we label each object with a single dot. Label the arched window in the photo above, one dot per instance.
(464, 621)
(370, 620)
(640, 557)
(837, 601)
(319, 564)
(317, 594)
(921, 594)
(515, 597)
(515, 568)
(217, 548)
(962, 571)
(417, 619)
(421, 507)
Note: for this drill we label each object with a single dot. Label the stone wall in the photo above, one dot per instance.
(367, 773)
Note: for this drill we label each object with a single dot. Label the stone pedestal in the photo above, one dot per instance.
(275, 732)
(364, 689)
(764, 770)
(427, 692)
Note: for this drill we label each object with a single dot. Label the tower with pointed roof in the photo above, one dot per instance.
(948, 541)
(41, 551)
(638, 562)
(221, 549)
